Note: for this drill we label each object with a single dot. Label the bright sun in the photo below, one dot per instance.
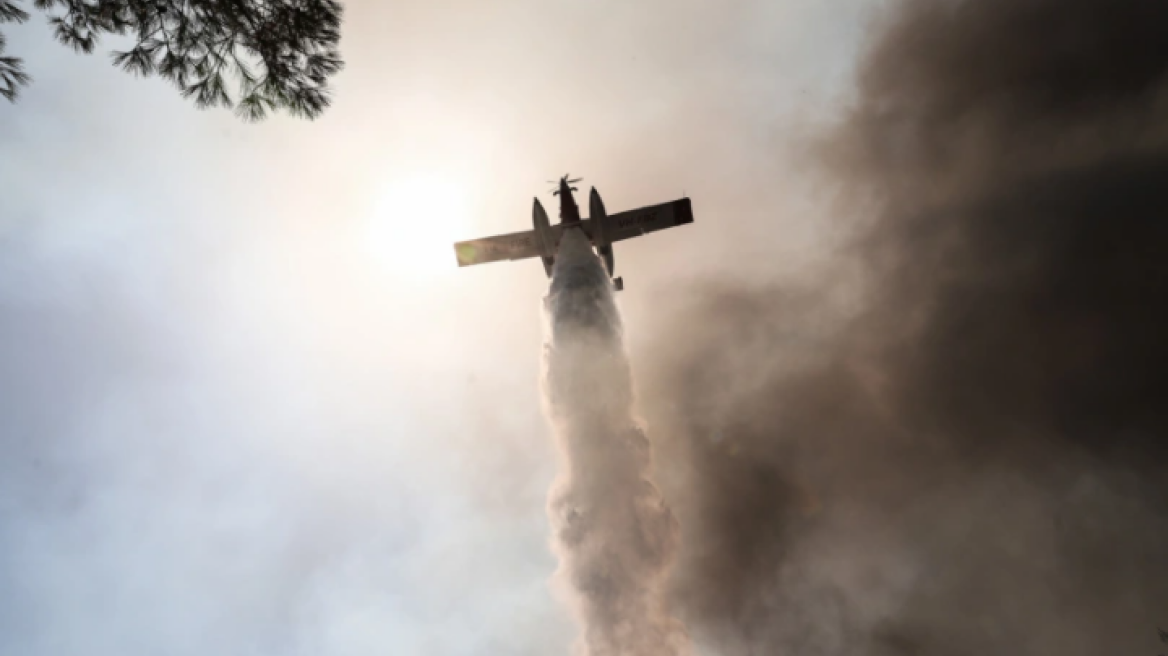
(414, 223)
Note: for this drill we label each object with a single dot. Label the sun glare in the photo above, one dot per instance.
(414, 223)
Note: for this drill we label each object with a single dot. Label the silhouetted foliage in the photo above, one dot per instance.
(281, 53)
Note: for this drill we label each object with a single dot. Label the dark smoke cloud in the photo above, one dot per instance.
(971, 458)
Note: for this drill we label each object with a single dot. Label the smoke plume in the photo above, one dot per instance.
(953, 440)
(614, 533)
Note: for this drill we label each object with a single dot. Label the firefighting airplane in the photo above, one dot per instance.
(602, 229)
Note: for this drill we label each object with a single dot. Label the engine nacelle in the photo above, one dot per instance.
(545, 237)
(596, 217)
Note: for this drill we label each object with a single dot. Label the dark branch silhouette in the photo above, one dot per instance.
(280, 53)
(12, 75)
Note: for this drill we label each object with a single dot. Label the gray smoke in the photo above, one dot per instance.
(966, 454)
(614, 533)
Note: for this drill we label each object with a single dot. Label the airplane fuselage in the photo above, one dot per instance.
(569, 211)
(570, 218)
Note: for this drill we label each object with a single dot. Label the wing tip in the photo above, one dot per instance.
(465, 253)
(684, 212)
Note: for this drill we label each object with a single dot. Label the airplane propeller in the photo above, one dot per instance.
(556, 189)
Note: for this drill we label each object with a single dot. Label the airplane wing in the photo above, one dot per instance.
(513, 246)
(634, 223)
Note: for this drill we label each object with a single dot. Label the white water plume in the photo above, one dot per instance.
(613, 532)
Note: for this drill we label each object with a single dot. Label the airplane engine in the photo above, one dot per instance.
(600, 240)
(544, 237)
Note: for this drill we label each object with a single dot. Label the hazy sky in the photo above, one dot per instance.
(249, 405)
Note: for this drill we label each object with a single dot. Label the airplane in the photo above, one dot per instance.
(603, 230)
